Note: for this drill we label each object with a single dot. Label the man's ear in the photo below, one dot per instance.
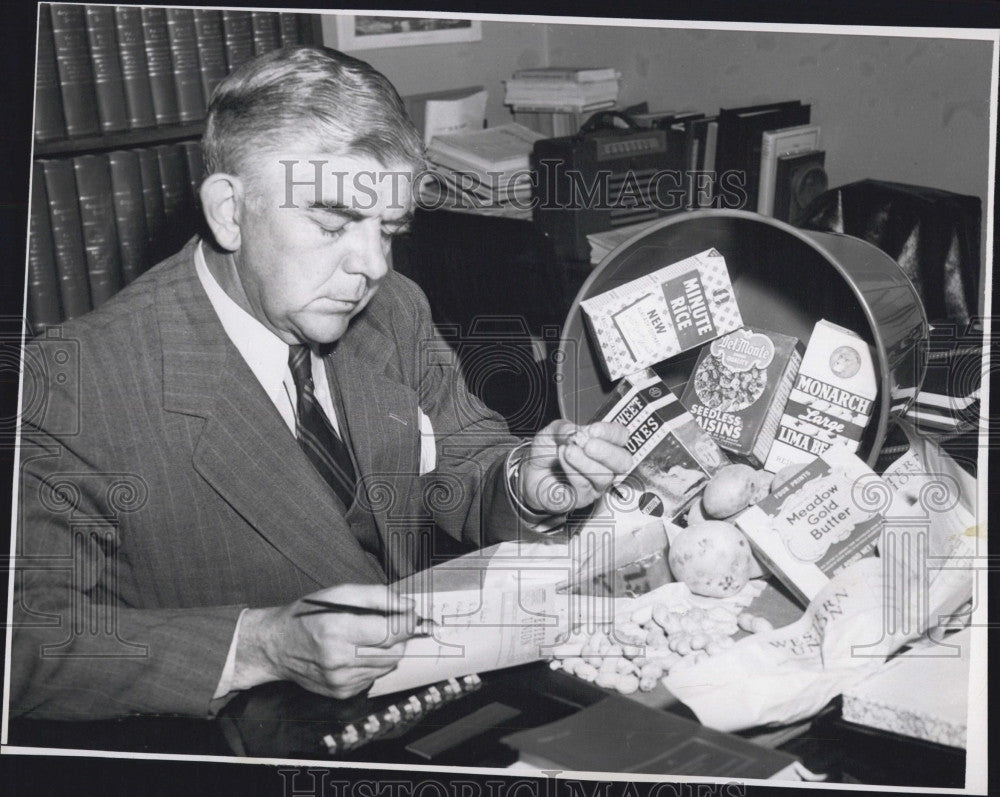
(222, 203)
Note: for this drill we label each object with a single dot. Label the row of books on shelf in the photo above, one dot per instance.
(107, 69)
(99, 221)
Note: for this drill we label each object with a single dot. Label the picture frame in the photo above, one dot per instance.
(357, 32)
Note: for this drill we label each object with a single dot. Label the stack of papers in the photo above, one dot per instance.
(565, 89)
(481, 169)
(603, 243)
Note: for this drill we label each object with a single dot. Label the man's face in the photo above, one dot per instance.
(315, 239)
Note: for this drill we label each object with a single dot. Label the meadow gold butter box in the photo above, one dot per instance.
(824, 518)
(666, 312)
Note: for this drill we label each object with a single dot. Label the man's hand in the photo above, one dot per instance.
(569, 466)
(337, 654)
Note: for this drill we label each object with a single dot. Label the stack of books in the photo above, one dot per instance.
(554, 100)
(481, 169)
(105, 69)
(99, 221)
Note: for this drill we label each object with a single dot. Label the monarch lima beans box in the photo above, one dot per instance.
(831, 400)
(824, 518)
(666, 312)
(672, 458)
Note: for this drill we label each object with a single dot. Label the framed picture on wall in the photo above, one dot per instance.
(372, 33)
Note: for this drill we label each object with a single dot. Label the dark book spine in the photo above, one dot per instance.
(67, 237)
(135, 69)
(100, 235)
(308, 33)
(108, 81)
(159, 66)
(211, 49)
(49, 123)
(184, 56)
(265, 31)
(288, 28)
(152, 195)
(173, 179)
(195, 167)
(44, 308)
(238, 30)
(76, 76)
(130, 213)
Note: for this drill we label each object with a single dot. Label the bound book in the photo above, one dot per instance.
(49, 122)
(211, 49)
(574, 74)
(238, 31)
(100, 235)
(187, 70)
(173, 179)
(108, 80)
(76, 75)
(159, 65)
(44, 309)
(774, 144)
(495, 149)
(266, 37)
(67, 237)
(134, 66)
(130, 215)
(152, 196)
(617, 734)
(195, 167)
(288, 28)
(740, 142)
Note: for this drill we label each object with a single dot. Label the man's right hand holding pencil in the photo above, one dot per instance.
(334, 642)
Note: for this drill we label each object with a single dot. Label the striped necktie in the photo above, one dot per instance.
(324, 447)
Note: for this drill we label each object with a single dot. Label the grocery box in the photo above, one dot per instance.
(663, 313)
(832, 400)
(817, 523)
(739, 387)
(672, 457)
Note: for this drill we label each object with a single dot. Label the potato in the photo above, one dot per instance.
(712, 558)
(730, 491)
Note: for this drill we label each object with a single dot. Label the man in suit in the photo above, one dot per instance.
(266, 415)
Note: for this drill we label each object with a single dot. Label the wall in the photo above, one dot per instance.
(505, 47)
(901, 109)
(909, 110)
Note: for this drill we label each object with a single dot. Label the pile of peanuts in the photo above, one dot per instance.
(655, 640)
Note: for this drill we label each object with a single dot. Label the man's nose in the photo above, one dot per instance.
(367, 252)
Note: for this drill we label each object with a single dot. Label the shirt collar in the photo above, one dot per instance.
(264, 352)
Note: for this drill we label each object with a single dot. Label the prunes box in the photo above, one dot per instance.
(666, 312)
(739, 387)
(831, 402)
(824, 518)
(672, 457)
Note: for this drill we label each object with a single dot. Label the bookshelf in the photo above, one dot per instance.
(120, 101)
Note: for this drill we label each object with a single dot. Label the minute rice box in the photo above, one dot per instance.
(666, 312)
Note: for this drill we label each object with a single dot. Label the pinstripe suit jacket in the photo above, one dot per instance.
(161, 493)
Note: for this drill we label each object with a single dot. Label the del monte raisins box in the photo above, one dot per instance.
(739, 387)
(824, 518)
(672, 457)
(666, 312)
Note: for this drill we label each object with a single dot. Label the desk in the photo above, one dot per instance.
(284, 721)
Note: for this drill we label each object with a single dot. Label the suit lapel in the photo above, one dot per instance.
(245, 452)
(381, 417)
